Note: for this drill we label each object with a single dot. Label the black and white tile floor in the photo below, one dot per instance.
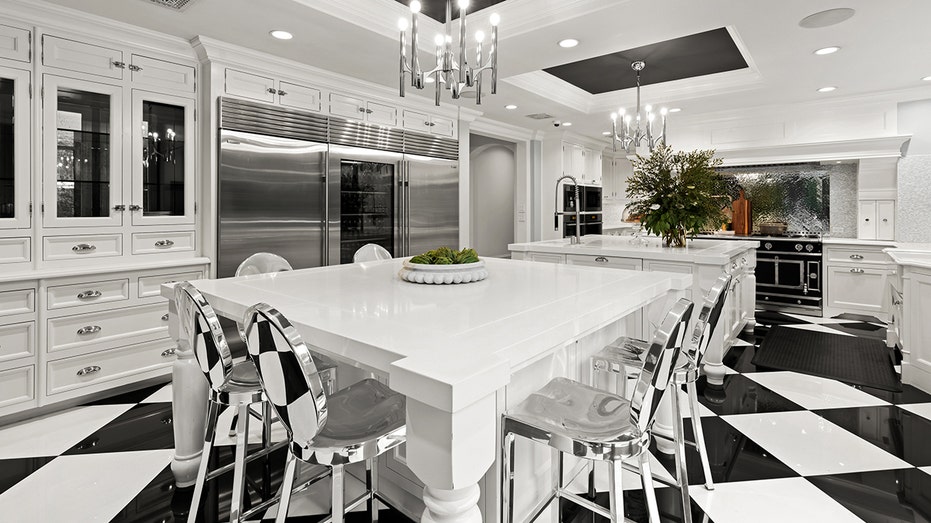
(784, 447)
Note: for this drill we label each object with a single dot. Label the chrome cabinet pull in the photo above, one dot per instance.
(135, 207)
(86, 295)
(134, 67)
(281, 93)
(362, 109)
(118, 65)
(601, 259)
(857, 271)
(83, 248)
(88, 370)
(167, 353)
(90, 329)
(119, 207)
(272, 90)
(885, 219)
(164, 243)
(165, 317)
(369, 111)
(856, 256)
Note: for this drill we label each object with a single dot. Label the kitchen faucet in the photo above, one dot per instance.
(577, 239)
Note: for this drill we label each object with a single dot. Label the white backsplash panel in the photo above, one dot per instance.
(913, 223)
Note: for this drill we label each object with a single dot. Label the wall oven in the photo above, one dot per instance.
(590, 196)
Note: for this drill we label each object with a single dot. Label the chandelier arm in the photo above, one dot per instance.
(462, 41)
(493, 58)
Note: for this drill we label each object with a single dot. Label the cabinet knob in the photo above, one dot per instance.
(866, 219)
(164, 243)
(86, 295)
(88, 370)
(281, 93)
(885, 220)
(362, 109)
(84, 248)
(134, 68)
(369, 111)
(856, 256)
(90, 329)
(601, 259)
(856, 271)
(272, 90)
(165, 317)
(167, 353)
(119, 207)
(118, 65)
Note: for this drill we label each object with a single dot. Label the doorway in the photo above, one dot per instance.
(493, 173)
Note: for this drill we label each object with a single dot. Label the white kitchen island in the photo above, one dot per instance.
(705, 259)
(461, 354)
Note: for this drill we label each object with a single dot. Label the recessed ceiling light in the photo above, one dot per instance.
(510, 107)
(927, 78)
(568, 42)
(675, 110)
(281, 35)
(827, 50)
(827, 89)
(428, 80)
(567, 124)
(826, 18)
(606, 133)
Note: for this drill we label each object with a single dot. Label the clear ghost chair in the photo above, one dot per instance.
(371, 252)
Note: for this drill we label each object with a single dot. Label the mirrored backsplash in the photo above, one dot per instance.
(808, 197)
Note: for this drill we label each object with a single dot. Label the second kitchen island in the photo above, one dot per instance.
(704, 259)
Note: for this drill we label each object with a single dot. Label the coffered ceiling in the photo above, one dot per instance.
(436, 9)
(883, 49)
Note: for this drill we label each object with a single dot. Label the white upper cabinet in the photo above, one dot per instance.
(359, 109)
(70, 55)
(425, 123)
(161, 75)
(263, 88)
(299, 96)
(15, 130)
(877, 220)
(82, 152)
(15, 43)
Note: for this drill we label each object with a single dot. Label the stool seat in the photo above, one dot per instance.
(363, 420)
(579, 420)
(623, 355)
(242, 387)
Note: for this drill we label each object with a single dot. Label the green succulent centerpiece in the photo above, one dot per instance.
(677, 194)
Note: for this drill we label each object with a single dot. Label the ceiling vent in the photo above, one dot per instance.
(539, 116)
(174, 5)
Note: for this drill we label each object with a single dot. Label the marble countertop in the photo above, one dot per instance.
(58, 272)
(911, 257)
(446, 345)
(701, 250)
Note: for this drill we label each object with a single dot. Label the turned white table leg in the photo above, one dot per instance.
(663, 425)
(188, 405)
(749, 288)
(451, 506)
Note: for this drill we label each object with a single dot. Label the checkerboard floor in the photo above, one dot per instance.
(783, 447)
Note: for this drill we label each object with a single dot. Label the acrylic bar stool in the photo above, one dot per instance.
(624, 357)
(590, 423)
(371, 252)
(231, 385)
(356, 424)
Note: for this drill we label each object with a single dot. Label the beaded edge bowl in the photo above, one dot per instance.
(443, 274)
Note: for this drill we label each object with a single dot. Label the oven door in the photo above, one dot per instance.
(780, 274)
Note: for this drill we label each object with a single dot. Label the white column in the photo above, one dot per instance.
(188, 405)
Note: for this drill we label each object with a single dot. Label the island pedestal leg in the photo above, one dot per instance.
(188, 405)
(749, 289)
(451, 452)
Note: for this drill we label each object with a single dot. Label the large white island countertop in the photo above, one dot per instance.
(697, 251)
(451, 349)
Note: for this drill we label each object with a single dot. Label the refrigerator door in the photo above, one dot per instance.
(363, 192)
(432, 204)
(271, 199)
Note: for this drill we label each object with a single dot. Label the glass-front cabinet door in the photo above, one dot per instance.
(163, 186)
(14, 148)
(81, 153)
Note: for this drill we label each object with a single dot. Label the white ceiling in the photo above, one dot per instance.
(884, 47)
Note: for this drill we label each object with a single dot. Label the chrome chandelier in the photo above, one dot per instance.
(455, 75)
(631, 139)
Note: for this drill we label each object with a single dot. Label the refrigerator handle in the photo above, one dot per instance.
(401, 211)
(407, 209)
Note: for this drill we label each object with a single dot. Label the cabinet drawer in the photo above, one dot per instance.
(299, 96)
(80, 247)
(17, 340)
(99, 330)
(61, 296)
(87, 369)
(85, 58)
(443, 127)
(17, 385)
(15, 250)
(20, 301)
(161, 74)
(856, 255)
(161, 242)
(251, 86)
(14, 43)
(858, 288)
(545, 257)
(658, 266)
(152, 285)
(604, 261)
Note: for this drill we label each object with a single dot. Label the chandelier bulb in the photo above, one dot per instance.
(663, 111)
(479, 36)
(650, 116)
(495, 19)
(415, 6)
(614, 116)
(627, 118)
(402, 24)
(439, 39)
(463, 4)
(649, 109)
(622, 111)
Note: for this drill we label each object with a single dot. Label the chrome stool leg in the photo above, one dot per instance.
(678, 435)
(646, 477)
(699, 434)
(239, 464)
(371, 483)
(209, 432)
(339, 508)
(507, 478)
(287, 484)
(616, 490)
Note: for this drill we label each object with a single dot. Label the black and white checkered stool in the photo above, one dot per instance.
(357, 423)
(231, 385)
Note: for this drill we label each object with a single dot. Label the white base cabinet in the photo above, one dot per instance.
(857, 280)
(914, 327)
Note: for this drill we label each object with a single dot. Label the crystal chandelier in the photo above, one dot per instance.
(631, 139)
(450, 73)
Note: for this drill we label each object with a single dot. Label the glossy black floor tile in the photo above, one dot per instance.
(909, 394)
(741, 395)
(884, 496)
(133, 396)
(861, 330)
(858, 317)
(893, 429)
(14, 470)
(146, 426)
(156, 502)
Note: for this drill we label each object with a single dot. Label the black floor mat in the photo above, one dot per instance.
(857, 361)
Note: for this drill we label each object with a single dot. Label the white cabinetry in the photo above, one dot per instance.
(15, 43)
(877, 220)
(425, 123)
(915, 327)
(14, 176)
(582, 162)
(857, 280)
(264, 88)
(361, 109)
(615, 172)
(18, 337)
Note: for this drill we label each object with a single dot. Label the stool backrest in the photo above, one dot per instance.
(263, 263)
(287, 372)
(201, 327)
(371, 252)
(659, 364)
(708, 317)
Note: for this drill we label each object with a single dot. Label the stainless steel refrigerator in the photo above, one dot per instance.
(314, 189)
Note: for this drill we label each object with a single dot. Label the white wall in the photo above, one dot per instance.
(493, 170)
(913, 205)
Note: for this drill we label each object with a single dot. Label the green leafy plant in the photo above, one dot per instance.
(446, 256)
(677, 193)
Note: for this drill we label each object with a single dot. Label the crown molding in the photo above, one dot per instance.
(879, 147)
(554, 89)
(486, 126)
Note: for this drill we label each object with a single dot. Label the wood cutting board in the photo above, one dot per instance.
(741, 216)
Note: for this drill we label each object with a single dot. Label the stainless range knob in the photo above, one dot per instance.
(798, 247)
(809, 247)
(767, 246)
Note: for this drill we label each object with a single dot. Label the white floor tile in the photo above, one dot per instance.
(925, 469)
(684, 406)
(770, 501)
(817, 320)
(53, 434)
(315, 500)
(812, 445)
(88, 487)
(741, 343)
(817, 328)
(162, 395)
(631, 480)
(255, 429)
(922, 409)
(813, 392)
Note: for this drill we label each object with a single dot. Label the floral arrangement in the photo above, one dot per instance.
(677, 193)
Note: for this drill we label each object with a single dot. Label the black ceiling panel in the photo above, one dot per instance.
(436, 9)
(686, 57)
